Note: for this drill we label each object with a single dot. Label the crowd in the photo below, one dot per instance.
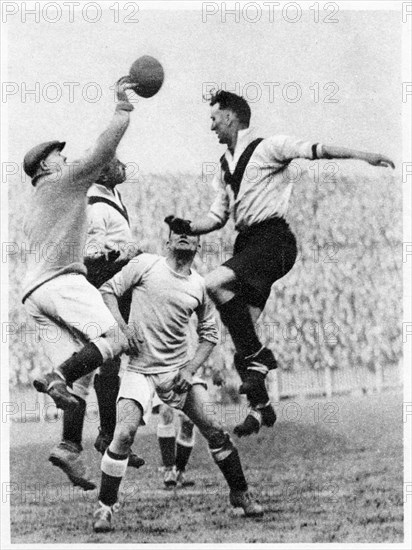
(340, 306)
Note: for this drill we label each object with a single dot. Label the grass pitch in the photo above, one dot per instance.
(329, 471)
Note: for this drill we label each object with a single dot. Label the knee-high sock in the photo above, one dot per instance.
(227, 458)
(166, 435)
(107, 388)
(73, 421)
(236, 317)
(184, 449)
(81, 363)
(113, 468)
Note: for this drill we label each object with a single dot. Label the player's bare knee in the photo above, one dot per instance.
(220, 284)
(125, 434)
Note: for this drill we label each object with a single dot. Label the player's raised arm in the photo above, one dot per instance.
(283, 149)
(336, 152)
(106, 144)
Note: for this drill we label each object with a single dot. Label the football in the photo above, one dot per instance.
(148, 73)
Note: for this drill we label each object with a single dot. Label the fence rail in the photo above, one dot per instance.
(26, 405)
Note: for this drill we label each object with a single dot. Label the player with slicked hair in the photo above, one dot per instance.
(265, 247)
(166, 292)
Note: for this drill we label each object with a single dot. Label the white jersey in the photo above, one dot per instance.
(266, 186)
(108, 229)
(163, 302)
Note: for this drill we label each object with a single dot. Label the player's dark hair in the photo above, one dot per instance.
(106, 172)
(233, 102)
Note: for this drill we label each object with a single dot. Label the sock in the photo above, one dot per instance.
(183, 453)
(73, 421)
(236, 317)
(185, 442)
(107, 389)
(231, 468)
(167, 443)
(257, 393)
(81, 363)
(113, 468)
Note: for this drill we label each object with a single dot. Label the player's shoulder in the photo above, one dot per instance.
(143, 262)
(279, 143)
(276, 139)
(93, 190)
(145, 258)
(99, 191)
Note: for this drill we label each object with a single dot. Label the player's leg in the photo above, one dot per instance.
(222, 449)
(106, 386)
(263, 254)
(225, 290)
(67, 454)
(185, 442)
(238, 314)
(105, 347)
(80, 307)
(252, 360)
(114, 462)
(73, 419)
(59, 343)
(166, 437)
(134, 402)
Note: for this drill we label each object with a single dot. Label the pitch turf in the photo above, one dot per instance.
(332, 475)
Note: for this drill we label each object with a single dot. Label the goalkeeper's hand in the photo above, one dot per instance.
(179, 225)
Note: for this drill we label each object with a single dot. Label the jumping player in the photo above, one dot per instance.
(166, 292)
(109, 246)
(265, 248)
(56, 292)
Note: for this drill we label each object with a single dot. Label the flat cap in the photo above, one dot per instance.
(39, 152)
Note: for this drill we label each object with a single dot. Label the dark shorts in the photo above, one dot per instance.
(125, 301)
(262, 254)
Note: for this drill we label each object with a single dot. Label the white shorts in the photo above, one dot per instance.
(69, 312)
(143, 388)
